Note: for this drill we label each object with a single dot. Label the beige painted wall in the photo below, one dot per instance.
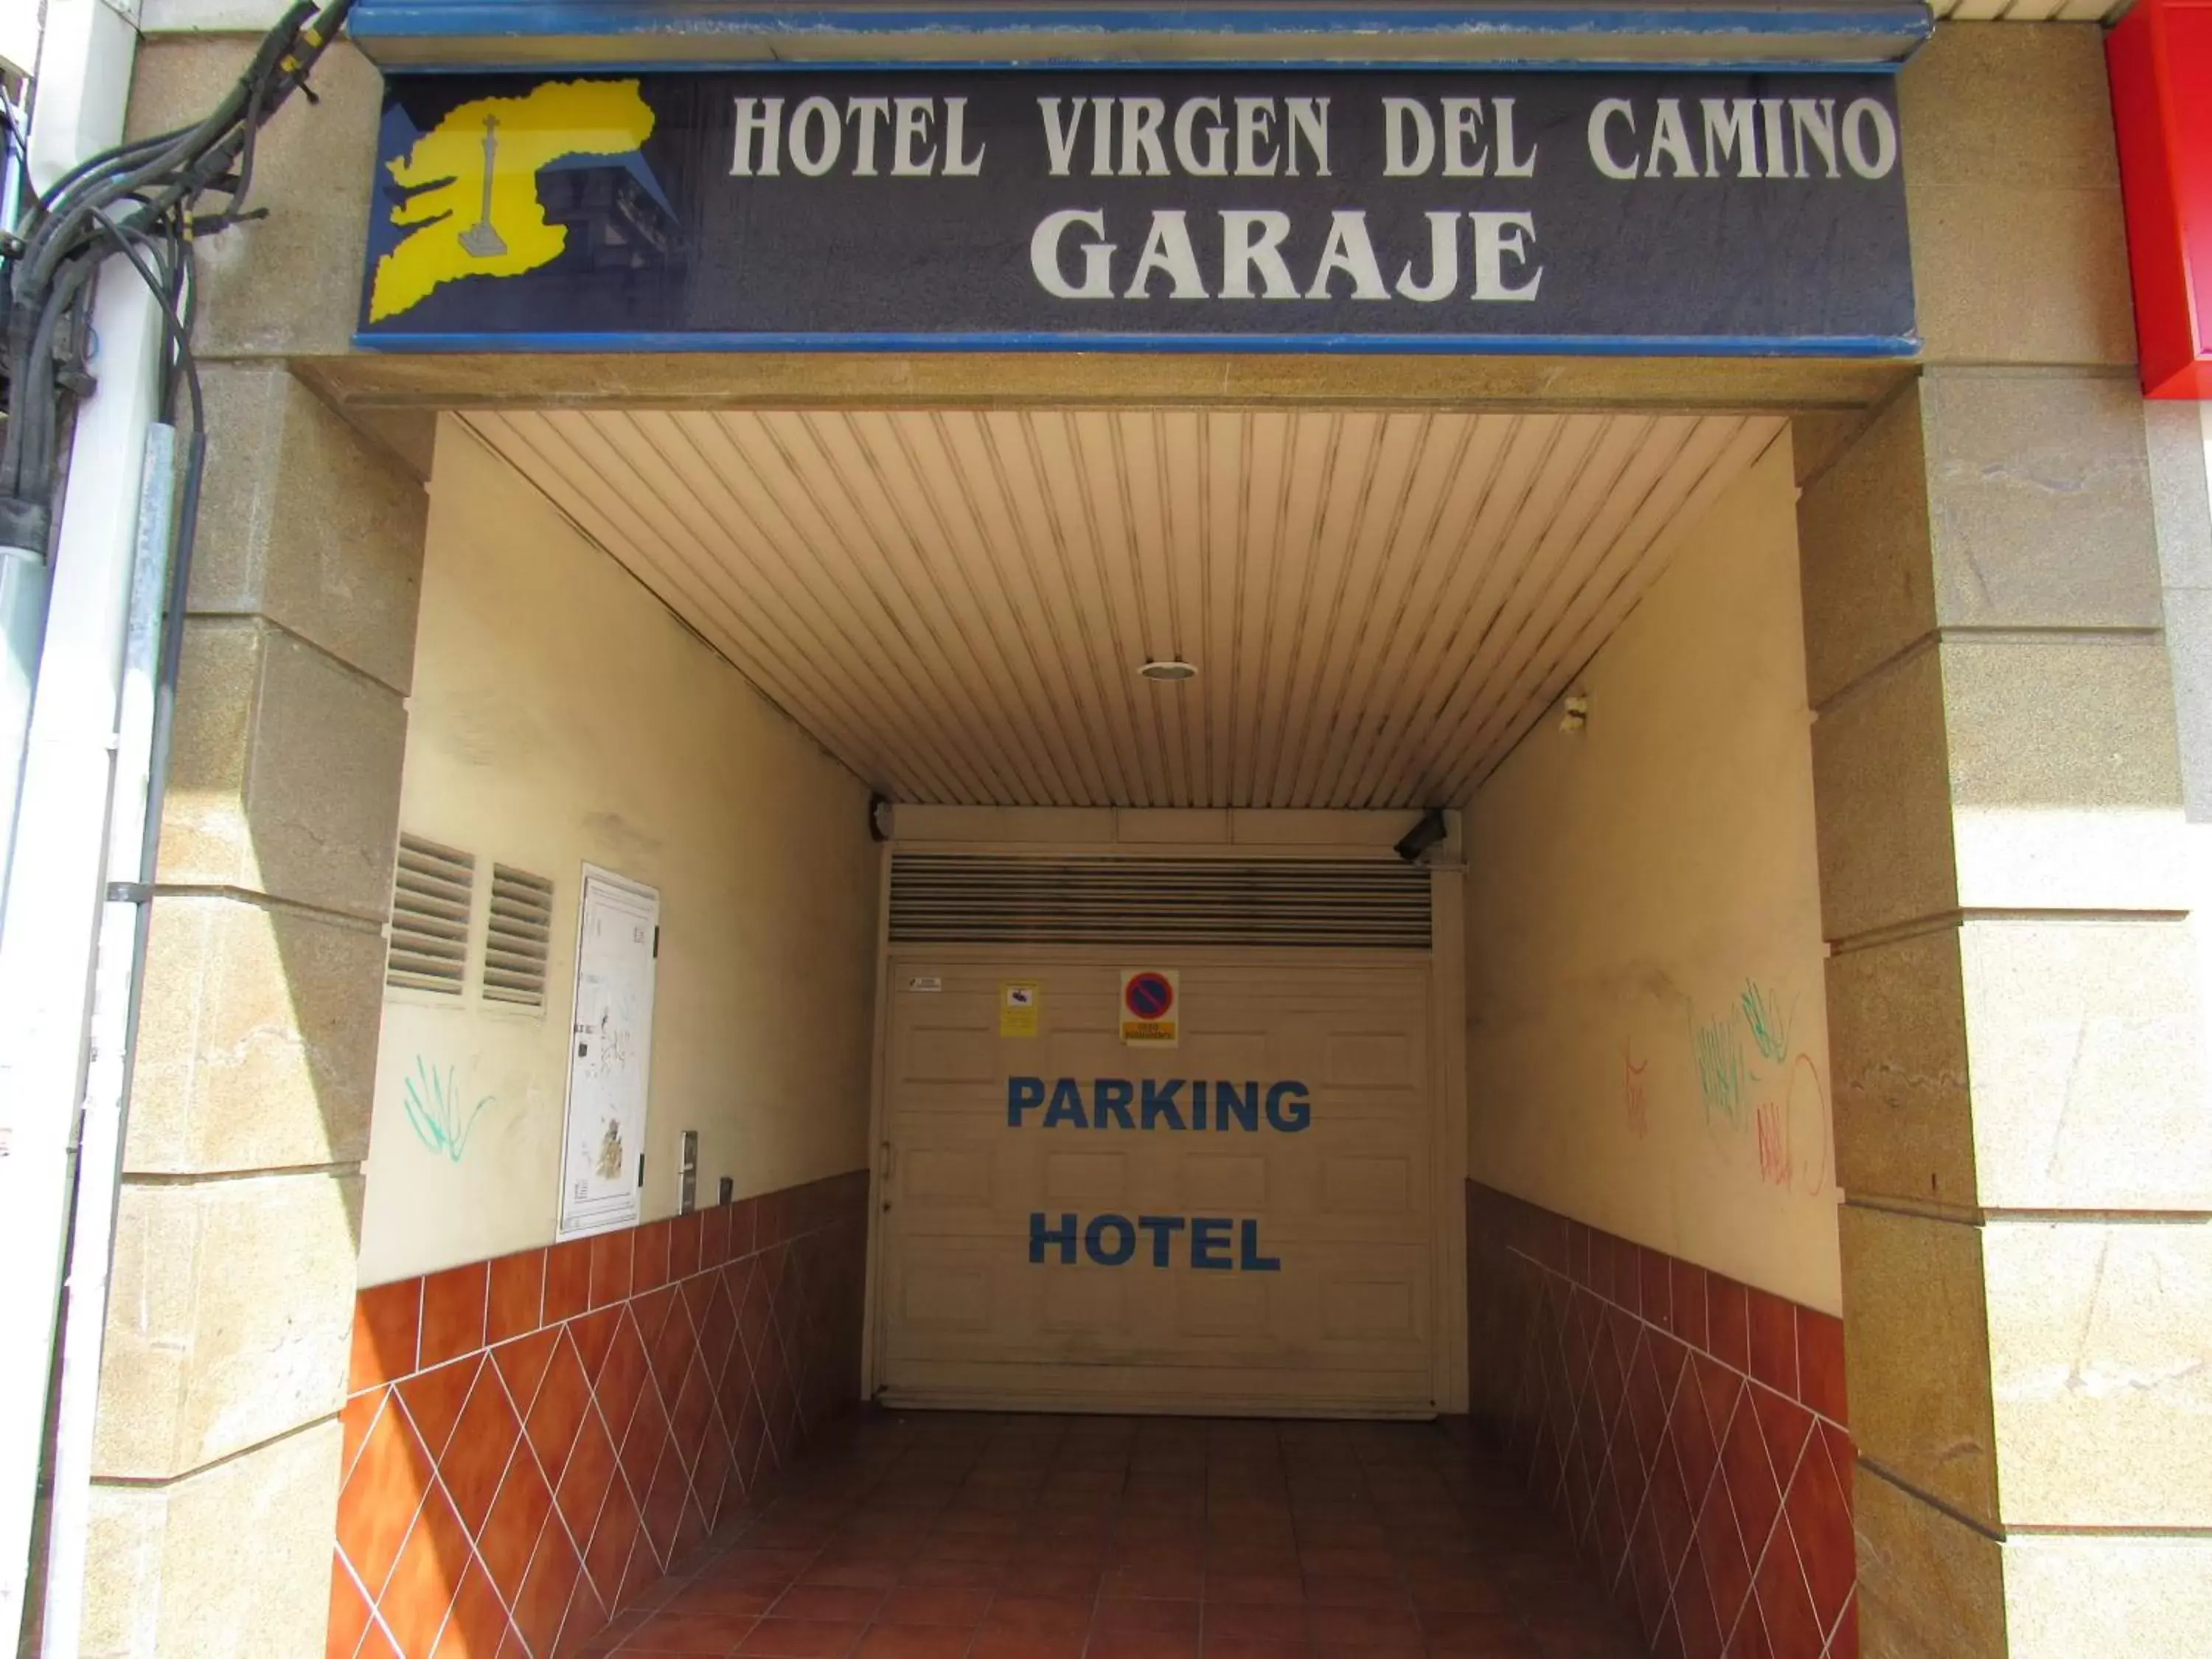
(1647, 1030)
(561, 715)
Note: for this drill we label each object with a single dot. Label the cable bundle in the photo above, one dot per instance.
(141, 200)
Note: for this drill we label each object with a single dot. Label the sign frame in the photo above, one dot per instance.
(1033, 325)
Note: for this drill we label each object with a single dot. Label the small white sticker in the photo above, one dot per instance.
(925, 982)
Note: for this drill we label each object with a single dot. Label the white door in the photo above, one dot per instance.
(1242, 1222)
(610, 1052)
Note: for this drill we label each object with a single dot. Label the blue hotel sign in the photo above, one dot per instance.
(1304, 210)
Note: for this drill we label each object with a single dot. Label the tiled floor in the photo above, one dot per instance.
(943, 1536)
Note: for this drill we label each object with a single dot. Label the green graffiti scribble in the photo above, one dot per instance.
(1720, 1075)
(434, 1106)
(1769, 1024)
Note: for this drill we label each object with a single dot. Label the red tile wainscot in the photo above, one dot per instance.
(1691, 1430)
(530, 1440)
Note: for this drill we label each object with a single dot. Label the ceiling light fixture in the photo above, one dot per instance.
(1169, 671)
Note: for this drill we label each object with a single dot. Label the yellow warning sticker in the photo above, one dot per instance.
(1151, 1007)
(1017, 1007)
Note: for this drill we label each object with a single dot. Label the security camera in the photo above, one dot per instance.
(1422, 836)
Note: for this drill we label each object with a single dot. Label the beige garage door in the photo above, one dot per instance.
(1244, 1222)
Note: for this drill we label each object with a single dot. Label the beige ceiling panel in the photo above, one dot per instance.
(956, 603)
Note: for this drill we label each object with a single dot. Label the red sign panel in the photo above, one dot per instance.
(2160, 58)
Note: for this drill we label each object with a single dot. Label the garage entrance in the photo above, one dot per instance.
(1160, 689)
(1239, 1216)
(1169, 1039)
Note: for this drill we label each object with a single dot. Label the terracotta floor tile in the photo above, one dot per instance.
(913, 1641)
(1040, 1615)
(1329, 1592)
(1248, 1587)
(803, 1639)
(713, 1595)
(1349, 1624)
(1274, 1621)
(681, 1632)
(1118, 1612)
(1141, 1644)
(1175, 1578)
(1024, 1644)
(953, 1575)
(973, 1536)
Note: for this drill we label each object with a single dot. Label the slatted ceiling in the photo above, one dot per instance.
(956, 603)
(2028, 11)
(945, 898)
(433, 891)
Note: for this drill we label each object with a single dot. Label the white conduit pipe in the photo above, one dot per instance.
(57, 882)
(123, 922)
(56, 872)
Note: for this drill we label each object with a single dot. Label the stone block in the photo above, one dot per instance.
(2084, 1045)
(2012, 190)
(1917, 1348)
(290, 283)
(1819, 437)
(1866, 569)
(303, 521)
(2014, 275)
(1929, 1587)
(2065, 778)
(230, 1317)
(1897, 1049)
(286, 776)
(2009, 103)
(2039, 488)
(2189, 659)
(234, 1559)
(2101, 1352)
(1882, 795)
(257, 1044)
(2145, 1598)
(2174, 440)
(2040, 1065)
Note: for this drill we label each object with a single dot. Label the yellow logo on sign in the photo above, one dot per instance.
(475, 181)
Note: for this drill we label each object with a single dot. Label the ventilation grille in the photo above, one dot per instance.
(952, 898)
(520, 934)
(431, 894)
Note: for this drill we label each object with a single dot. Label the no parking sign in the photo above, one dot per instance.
(1149, 1008)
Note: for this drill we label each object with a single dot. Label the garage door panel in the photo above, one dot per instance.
(938, 1293)
(1371, 1060)
(951, 1177)
(1363, 1309)
(1094, 1052)
(1094, 1305)
(1097, 1180)
(1320, 1295)
(1208, 1181)
(952, 1054)
(1238, 1308)
(1181, 1389)
(1370, 1185)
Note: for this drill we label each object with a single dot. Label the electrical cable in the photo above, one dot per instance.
(140, 199)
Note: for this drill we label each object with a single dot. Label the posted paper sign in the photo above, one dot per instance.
(1017, 1007)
